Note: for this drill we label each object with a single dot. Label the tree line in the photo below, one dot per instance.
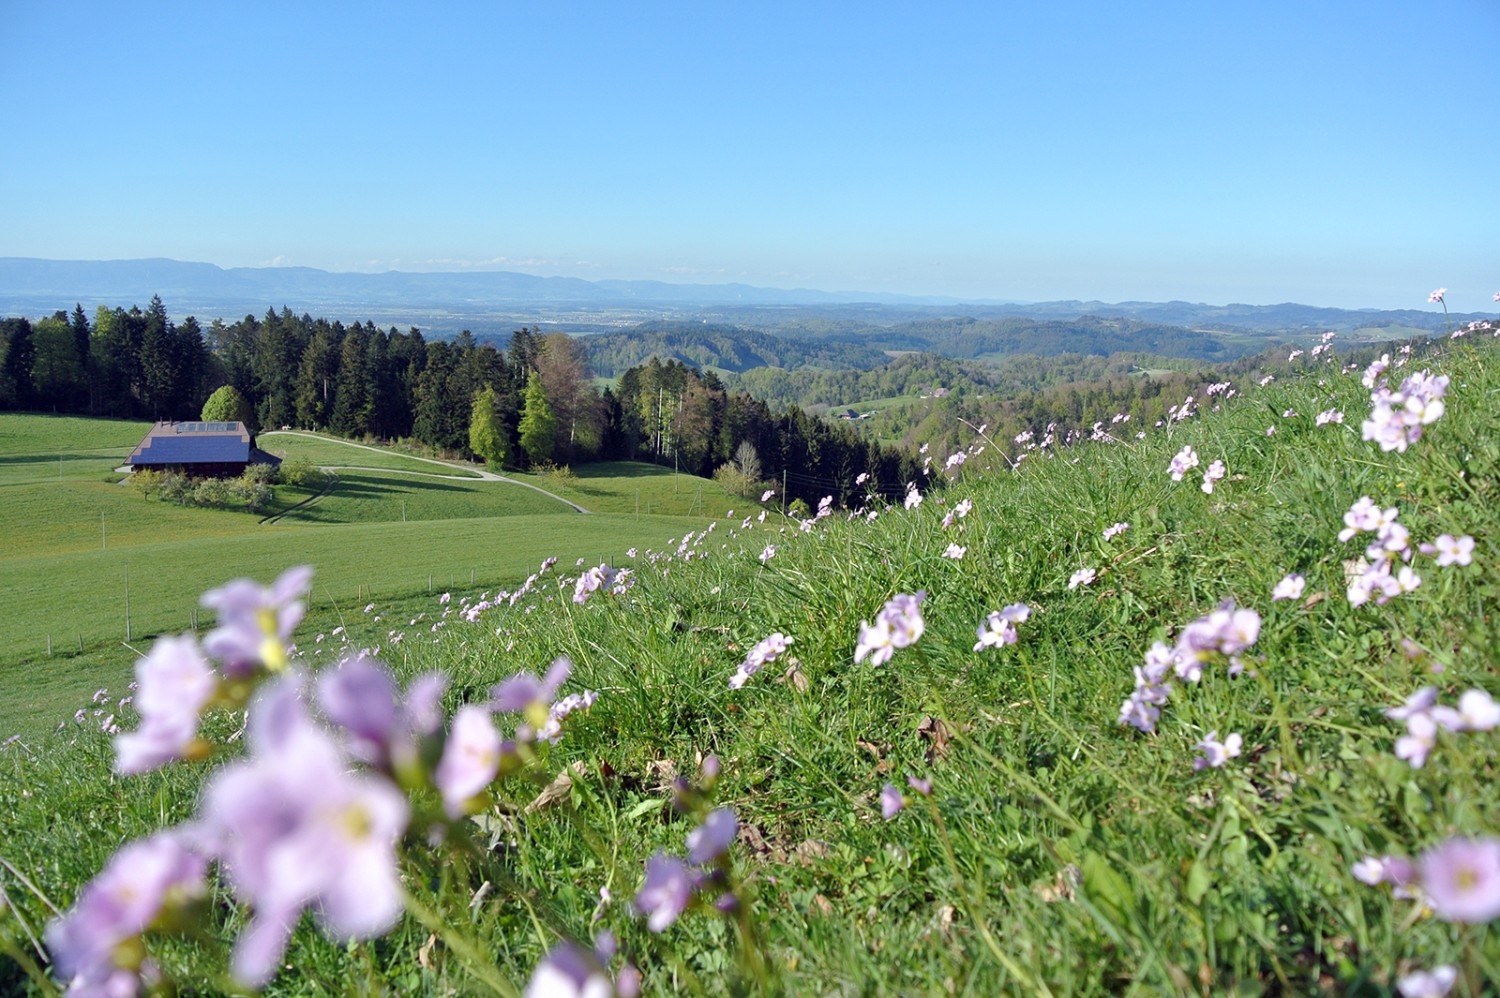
(532, 404)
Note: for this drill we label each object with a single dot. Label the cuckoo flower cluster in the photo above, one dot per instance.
(312, 817)
(765, 652)
(1425, 717)
(1376, 576)
(999, 628)
(706, 875)
(898, 625)
(1459, 879)
(1226, 632)
(1398, 416)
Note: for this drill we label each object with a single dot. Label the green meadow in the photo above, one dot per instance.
(87, 563)
(328, 451)
(1046, 848)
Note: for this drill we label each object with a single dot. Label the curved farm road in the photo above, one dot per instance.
(484, 475)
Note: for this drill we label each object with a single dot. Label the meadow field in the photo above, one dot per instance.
(1228, 728)
(86, 562)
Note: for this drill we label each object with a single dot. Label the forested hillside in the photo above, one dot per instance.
(730, 348)
(534, 404)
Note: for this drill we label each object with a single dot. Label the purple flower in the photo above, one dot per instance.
(1082, 577)
(1477, 711)
(1215, 753)
(524, 693)
(1214, 473)
(140, 881)
(255, 622)
(1420, 739)
(1461, 879)
(668, 889)
(955, 552)
(898, 625)
(1185, 459)
(923, 787)
(765, 651)
(1434, 983)
(1290, 587)
(471, 759)
(174, 682)
(709, 840)
(1115, 530)
(999, 628)
(1454, 550)
(1384, 870)
(570, 971)
(891, 801)
(293, 827)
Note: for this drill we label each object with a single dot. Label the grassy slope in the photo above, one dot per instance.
(1085, 857)
(329, 451)
(70, 542)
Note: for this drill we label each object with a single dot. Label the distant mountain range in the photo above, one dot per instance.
(493, 302)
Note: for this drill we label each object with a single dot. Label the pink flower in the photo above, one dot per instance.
(955, 552)
(1214, 473)
(1461, 879)
(140, 881)
(891, 801)
(999, 628)
(1184, 460)
(1082, 577)
(1477, 711)
(667, 890)
(1420, 739)
(255, 622)
(765, 652)
(1117, 529)
(898, 625)
(1437, 296)
(471, 759)
(1434, 983)
(1290, 587)
(1216, 753)
(293, 828)
(710, 840)
(1454, 550)
(175, 683)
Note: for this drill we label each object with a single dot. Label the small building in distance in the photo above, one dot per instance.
(199, 450)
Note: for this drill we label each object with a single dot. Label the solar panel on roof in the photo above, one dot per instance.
(206, 427)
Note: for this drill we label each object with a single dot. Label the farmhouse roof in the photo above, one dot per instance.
(193, 443)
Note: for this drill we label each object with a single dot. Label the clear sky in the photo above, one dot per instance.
(1334, 152)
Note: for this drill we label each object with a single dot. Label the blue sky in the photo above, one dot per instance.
(1329, 152)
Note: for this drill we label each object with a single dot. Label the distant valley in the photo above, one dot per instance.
(491, 304)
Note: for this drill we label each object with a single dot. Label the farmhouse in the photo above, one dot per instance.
(199, 450)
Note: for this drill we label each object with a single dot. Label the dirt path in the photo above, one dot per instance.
(484, 475)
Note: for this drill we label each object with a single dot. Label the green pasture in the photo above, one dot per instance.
(63, 448)
(383, 497)
(146, 589)
(86, 560)
(1059, 852)
(328, 451)
(626, 486)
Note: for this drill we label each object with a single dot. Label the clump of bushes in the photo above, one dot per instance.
(734, 481)
(557, 474)
(251, 491)
(298, 471)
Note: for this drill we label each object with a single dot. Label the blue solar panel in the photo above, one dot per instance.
(193, 450)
